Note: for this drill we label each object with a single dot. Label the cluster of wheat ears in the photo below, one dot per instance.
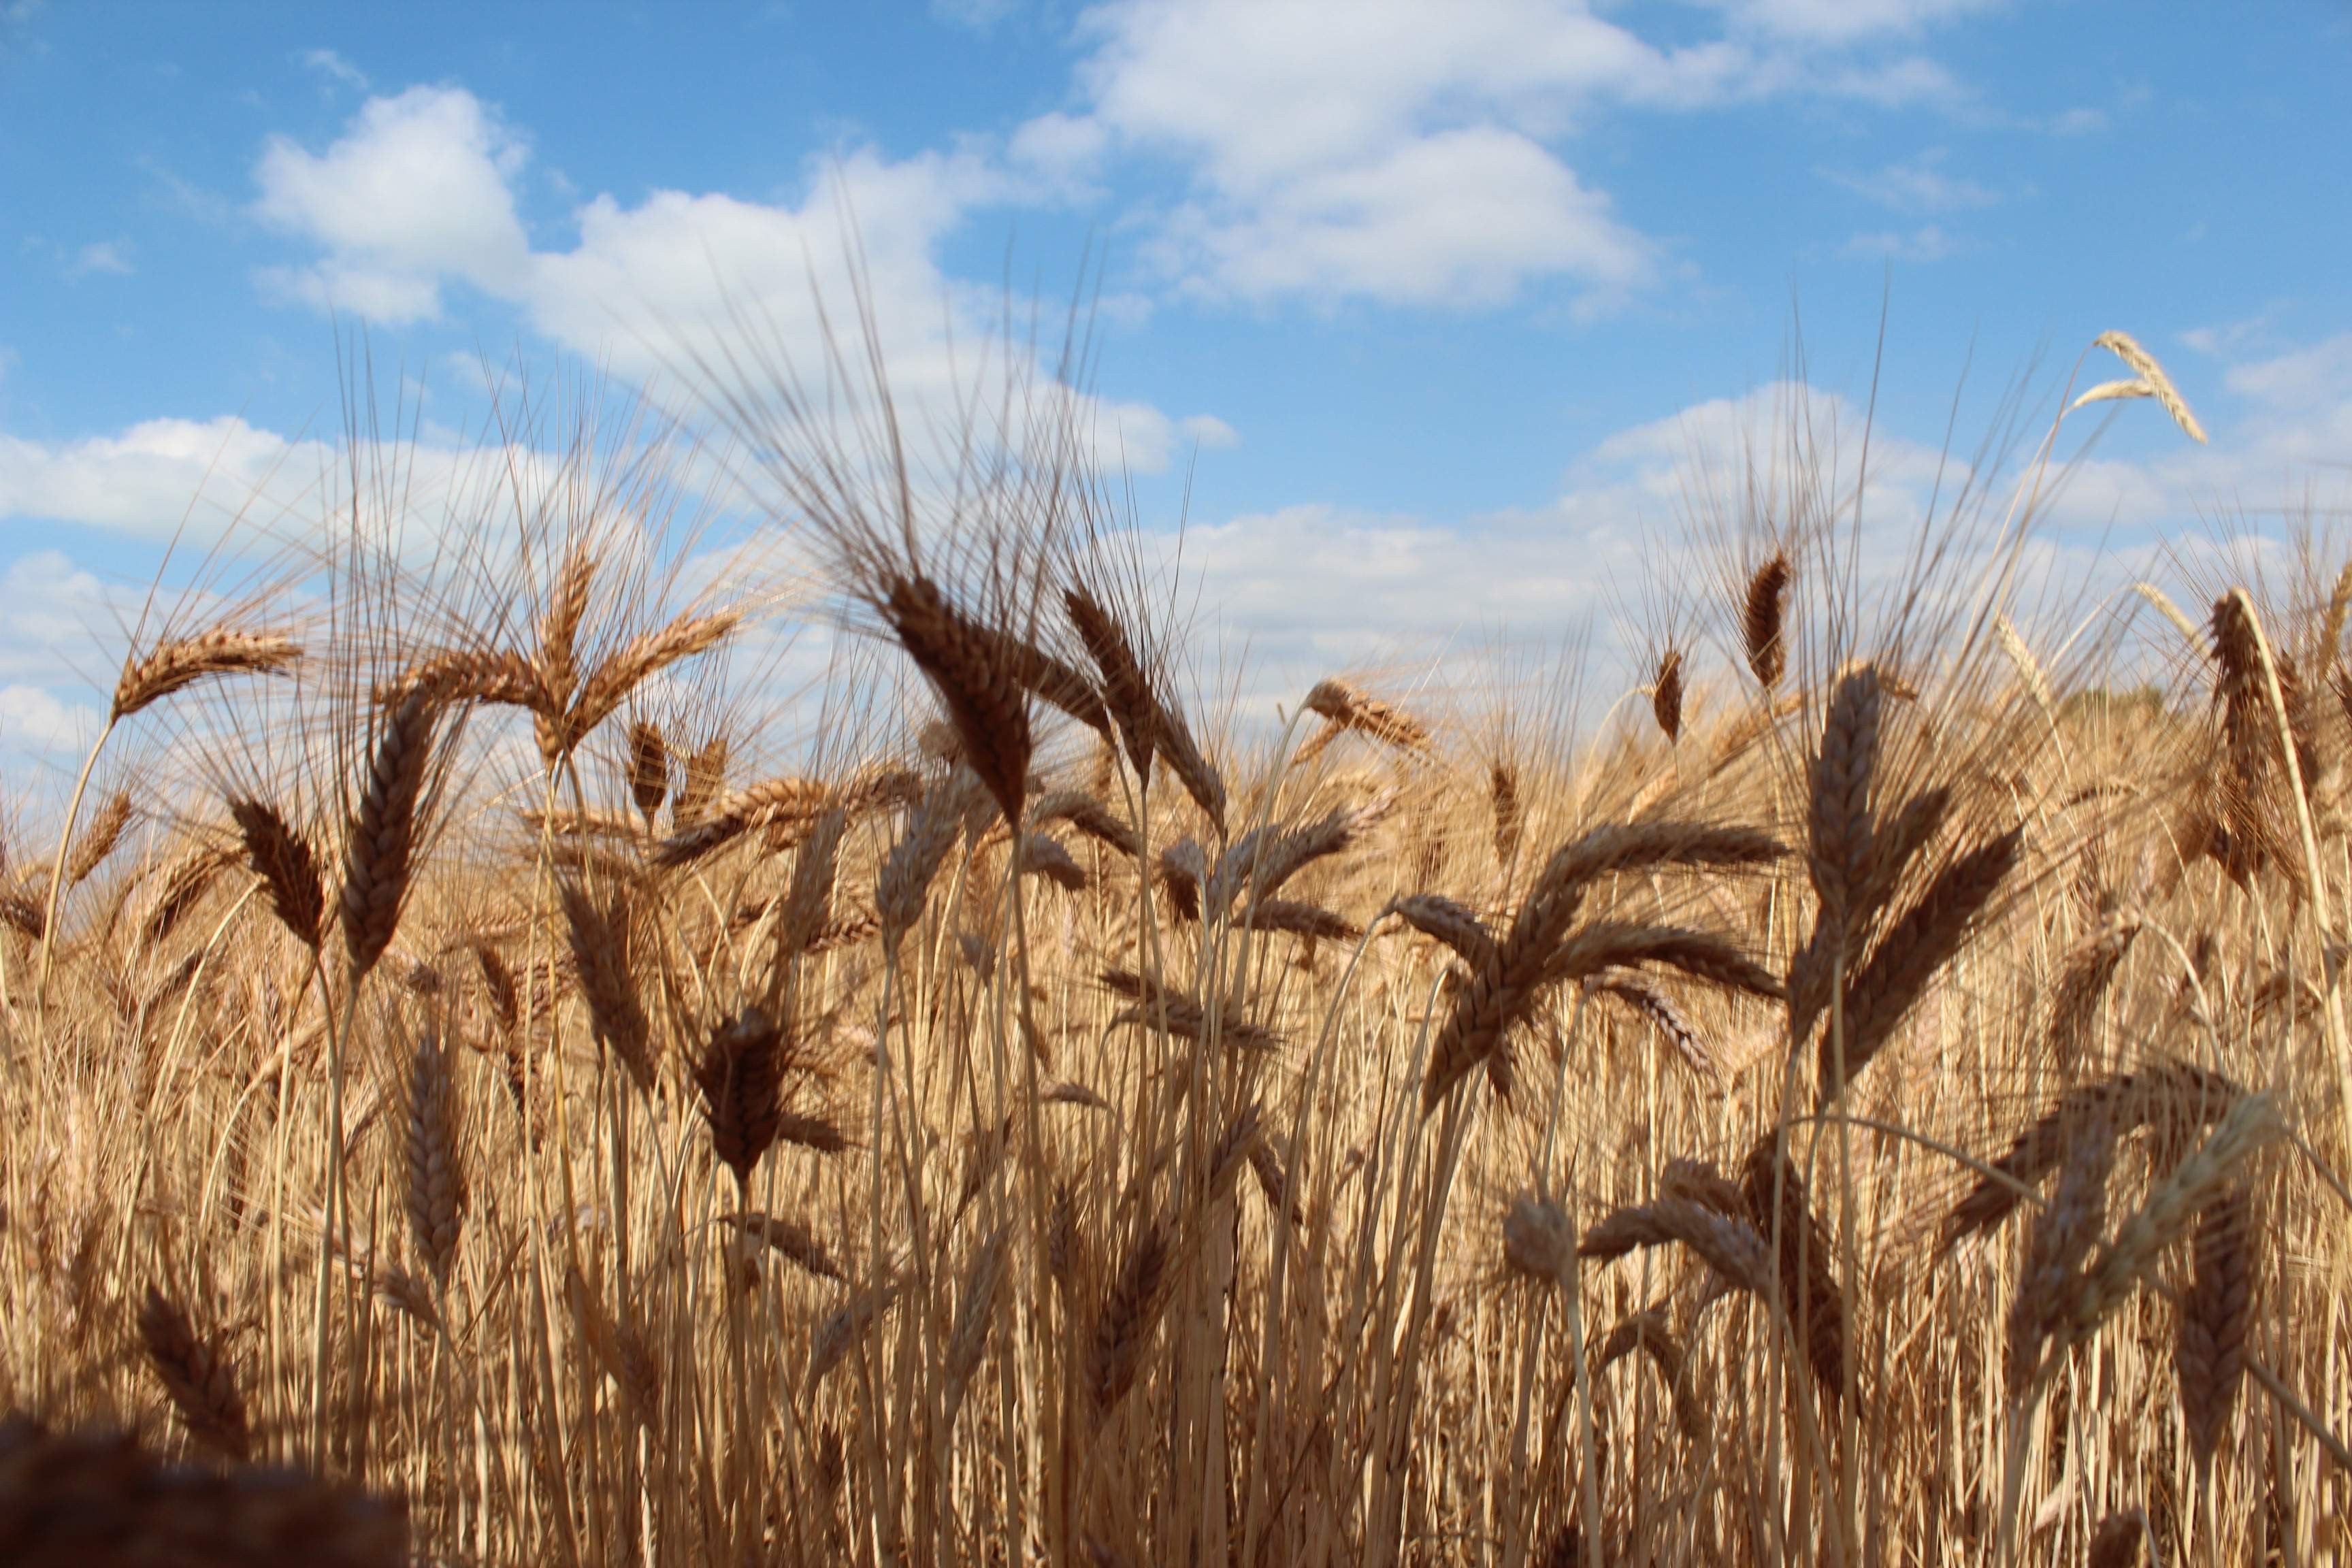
(460, 1100)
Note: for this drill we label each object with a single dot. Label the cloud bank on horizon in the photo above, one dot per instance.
(1541, 245)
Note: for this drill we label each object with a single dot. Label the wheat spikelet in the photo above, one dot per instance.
(1500, 991)
(1895, 845)
(1318, 743)
(1042, 854)
(1072, 1093)
(99, 837)
(21, 912)
(982, 692)
(381, 839)
(2163, 1217)
(1433, 914)
(1649, 1332)
(2331, 626)
(1297, 918)
(1351, 708)
(705, 776)
(1845, 765)
(2060, 1237)
(739, 1075)
(1667, 694)
(435, 1192)
(180, 889)
(197, 1376)
(1177, 1012)
(788, 1240)
(287, 865)
(599, 938)
(848, 1324)
(1292, 851)
(1505, 809)
(2176, 1096)
(1703, 955)
(490, 675)
(2214, 1316)
(1183, 869)
(2082, 986)
(2143, 364)
(1729, 1246)
(2171, 612)
(904, 883)
(1125, 1318)
(1273, 1182)
(1780, 1207)
(648, 769)
(817, 1134)
(1127, 690)
(1913, 950)
(178, 664)
(1659, 1008)
(770, 804)
(1089, 815)
(2114, 391)
(1173, 743)
(808, 903)
(396, 1288)
(2249, 746)
(1631, 847)
(639, 660)
(1762, 621)
(2028, 669)
(556, 658)
(975, 1313)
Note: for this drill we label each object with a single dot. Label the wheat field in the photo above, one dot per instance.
(1869, 1085)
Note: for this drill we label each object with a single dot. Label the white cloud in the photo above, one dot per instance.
(419, 189)
(150, 477)
(1928, 242)
(1846, 21)
(1415, 154)
(2230, 340)
(1208, 430)
(53, 621)
(334, 69)
(1919, 186)
(979, 16)
(680, 275)
(111, 257)
(1460, 217)
(2305, 379)
(718, 291)
(33, 720)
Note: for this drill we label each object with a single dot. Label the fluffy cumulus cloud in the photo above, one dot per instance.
(54, 617)
(708, 289)
(419, 189)
(1419, 154)
(160, 475)
(34, 721)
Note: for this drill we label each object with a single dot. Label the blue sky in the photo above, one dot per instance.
(1444, 297)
